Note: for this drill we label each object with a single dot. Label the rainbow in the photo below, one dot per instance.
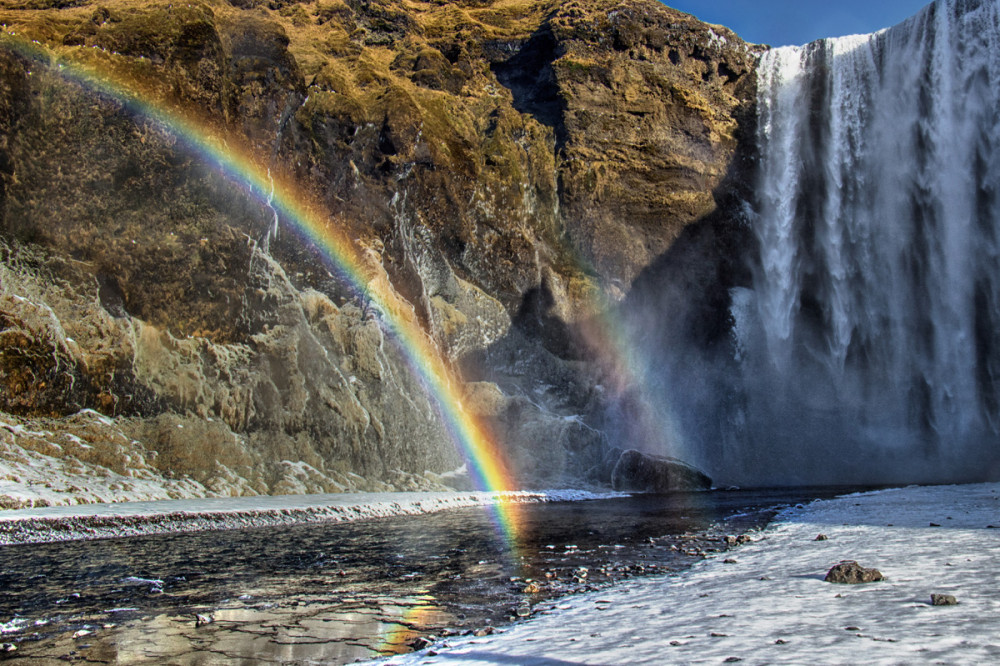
(313, 225)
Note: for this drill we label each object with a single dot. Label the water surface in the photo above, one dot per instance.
(337, 593)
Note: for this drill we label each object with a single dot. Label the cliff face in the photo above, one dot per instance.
(508, 167)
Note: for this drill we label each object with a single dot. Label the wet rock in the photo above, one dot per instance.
(821, 537)
(637, 471)
(943, 600)
(729, 560)
(420, 643)
(850, 572)
(201, 619)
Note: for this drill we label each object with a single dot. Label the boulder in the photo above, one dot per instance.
(642, 472)
(850, 572)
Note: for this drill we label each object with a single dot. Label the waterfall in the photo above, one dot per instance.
(869, 343)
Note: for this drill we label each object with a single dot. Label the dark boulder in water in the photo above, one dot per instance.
(655, 474)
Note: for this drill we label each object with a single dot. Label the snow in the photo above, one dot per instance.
(772, 605)
(94, 521)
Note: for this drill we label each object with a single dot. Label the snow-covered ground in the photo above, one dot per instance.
(94, 521)
(770, 605)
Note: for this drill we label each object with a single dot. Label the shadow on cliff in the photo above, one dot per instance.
(531, 79)
(677, 324)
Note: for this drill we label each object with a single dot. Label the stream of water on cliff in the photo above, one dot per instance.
(868, 342)
(334, 593)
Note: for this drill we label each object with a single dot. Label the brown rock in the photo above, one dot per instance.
(850, 572)
(943, 600)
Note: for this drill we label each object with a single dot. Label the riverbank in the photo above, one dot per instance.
(335, 593)
(124, 519)
(767, 602)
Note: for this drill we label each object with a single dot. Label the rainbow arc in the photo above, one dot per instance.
(313, 224)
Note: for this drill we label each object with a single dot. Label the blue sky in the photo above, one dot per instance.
(783, 22)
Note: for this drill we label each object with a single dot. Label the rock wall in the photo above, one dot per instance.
(509, 168)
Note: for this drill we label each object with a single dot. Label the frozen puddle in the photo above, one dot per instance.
(767, 602)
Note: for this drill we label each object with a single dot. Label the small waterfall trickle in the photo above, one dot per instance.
(869, 344)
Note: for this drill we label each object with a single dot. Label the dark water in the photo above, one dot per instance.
(343, 592)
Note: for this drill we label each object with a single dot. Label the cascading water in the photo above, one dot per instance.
(869, 344)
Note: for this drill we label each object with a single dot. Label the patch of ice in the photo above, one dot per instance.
(135, 580)
(13, 626)
(97, 416)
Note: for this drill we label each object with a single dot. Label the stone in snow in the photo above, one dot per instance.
(850, 572)
(943, 600)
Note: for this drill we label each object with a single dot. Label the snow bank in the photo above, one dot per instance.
(769, 603)
(95, 521)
